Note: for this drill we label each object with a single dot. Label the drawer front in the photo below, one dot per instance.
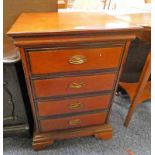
(53, 61)
(73, 85)
(73, 105)
(73, 122)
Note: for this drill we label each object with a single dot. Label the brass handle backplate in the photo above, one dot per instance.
(75, 106)
(76, 85)
(77, 59)
(74, 122)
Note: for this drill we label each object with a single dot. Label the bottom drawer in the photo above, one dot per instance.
(73, 121)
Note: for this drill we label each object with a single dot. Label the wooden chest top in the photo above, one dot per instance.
(51, 23)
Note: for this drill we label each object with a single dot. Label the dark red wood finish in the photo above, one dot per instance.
(73, 121)
(73, 85)
(53, 61)
(69, 54)
(55, 107)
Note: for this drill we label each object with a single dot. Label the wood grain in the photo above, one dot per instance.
(68, 122)
(64, 86)
(55, 61)
(42, 140)
(65, 22)
(54, 107)
(141, 19)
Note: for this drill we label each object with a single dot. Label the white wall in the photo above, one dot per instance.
(122, 4)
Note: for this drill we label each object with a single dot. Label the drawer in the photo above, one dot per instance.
(73, 105)
(73, 85)
(53, 61)
(73, 121)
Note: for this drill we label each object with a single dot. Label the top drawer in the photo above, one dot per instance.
(54, 61)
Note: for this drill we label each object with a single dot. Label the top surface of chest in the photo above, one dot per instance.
(53, 23)
(142, 19)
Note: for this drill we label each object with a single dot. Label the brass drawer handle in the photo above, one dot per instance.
(75, 106)
(76, 85)
(77, 59)
(74, 122)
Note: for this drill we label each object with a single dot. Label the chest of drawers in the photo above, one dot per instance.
(72, 63)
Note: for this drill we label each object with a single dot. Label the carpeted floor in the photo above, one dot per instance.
(134, 140)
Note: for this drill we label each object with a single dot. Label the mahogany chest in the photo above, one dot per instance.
(72, 63)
